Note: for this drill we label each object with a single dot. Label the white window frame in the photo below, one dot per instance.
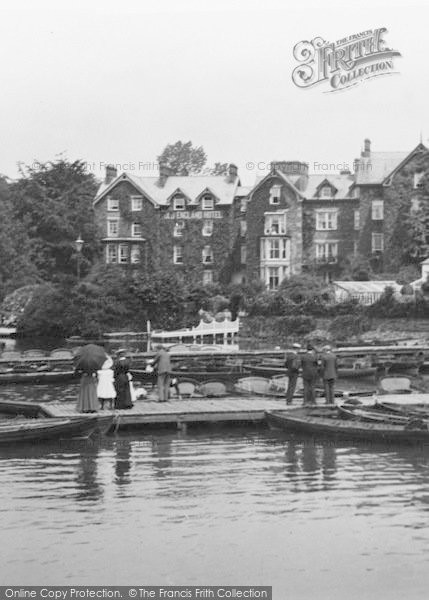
(207, 255)
(327, 252)
(356, 219)
(275, 221)
(123, 254)
(207, 276)
(111, 254)
(243, 227)
(207, 199)
(136, 203)
(243, 254)
(377, 210)
(179, 203)
(271, 270)
(179, 226)
(417, 177)
(136, 230)
(326, 192)
(326, 219)
(135, 254)
(112, 204)
(275, 194)
(112, 228)
(208, 226)
(178, 255)
(377, 242)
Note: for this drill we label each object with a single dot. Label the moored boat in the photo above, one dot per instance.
(36, 377)
(317, 422)
(35, 430)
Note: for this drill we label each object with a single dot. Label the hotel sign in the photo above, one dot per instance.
(194, 214)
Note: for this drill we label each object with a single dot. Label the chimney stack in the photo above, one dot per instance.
(367, 148)
(232, 171)
(111, 173)
(164, 174)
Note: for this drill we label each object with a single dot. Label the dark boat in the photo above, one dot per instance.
(376, 413)
(326, 422)
(35, 430)
(19, 376)
(270, 370)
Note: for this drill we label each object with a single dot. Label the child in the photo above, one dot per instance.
(105, 389)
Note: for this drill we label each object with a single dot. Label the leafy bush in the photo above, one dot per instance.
(347, 326)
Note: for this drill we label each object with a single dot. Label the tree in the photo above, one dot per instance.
(183, 158)
(357, 268)
(54, 201)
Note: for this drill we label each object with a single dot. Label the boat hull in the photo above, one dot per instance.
(301, 421)
(38, 430)
(343, 372)
(37, 377)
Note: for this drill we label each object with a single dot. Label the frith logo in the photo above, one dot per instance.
(344, 63)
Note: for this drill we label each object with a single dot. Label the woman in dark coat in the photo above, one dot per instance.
(121, 373)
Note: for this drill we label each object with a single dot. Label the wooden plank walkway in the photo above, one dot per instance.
(195, 410)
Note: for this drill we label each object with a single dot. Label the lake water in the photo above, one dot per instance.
(218, 506)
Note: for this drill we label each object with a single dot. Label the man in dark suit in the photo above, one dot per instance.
(292, 363)
(310, 374)
(329, 373)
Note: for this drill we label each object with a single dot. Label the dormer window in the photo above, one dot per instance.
(112, 204)
(275, 193)
(326, 192)
(207, 202)
(179, 203)
(417, 180)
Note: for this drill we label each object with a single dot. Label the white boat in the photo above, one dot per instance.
(7, 331)
(209, 335)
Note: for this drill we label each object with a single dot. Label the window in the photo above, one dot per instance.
(207, 228)
(377, 210)
(179, 226)
(136, 203)
(123, 253)
(275, 193)
(207, 276)
(357, 219)
(136, 230)
(274, 249)
(355, 248)
(207, 203)
(112, 204)
(417, 180)
(243, 228)
(112, 253)
(326, 220)
(415, 204)
(243, 255)
(179, 203)
(207, 255)
(275, 224)
(377, 242)
(177, 255)
(326, 252)
(326, 192)
(112, 227)
(135, 254)
(273, 278)
(243, 204)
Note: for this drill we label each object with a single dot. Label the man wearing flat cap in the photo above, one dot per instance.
(292, 363)
(329, 373)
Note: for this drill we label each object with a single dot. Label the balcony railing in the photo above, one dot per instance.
(324, 260)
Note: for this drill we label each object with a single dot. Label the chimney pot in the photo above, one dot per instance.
(232, 171)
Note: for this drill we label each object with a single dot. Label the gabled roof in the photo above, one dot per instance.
(378, 166)
(192, 186)
(276, 173)
(342, 183)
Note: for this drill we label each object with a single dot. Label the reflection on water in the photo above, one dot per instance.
(230, 506)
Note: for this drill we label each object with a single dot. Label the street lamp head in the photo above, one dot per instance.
(79, 244)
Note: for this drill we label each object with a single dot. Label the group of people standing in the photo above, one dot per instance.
(312, 366)
(111, 384)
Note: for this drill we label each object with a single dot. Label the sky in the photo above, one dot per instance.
(114, 82)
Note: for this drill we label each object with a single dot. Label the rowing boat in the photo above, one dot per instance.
(35, 430)
(36, 376)
(327, 423)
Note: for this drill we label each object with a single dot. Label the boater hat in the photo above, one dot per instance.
(297, 346)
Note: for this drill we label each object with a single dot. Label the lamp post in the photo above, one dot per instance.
(78, 245)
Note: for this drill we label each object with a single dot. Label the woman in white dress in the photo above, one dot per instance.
(105, 389)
